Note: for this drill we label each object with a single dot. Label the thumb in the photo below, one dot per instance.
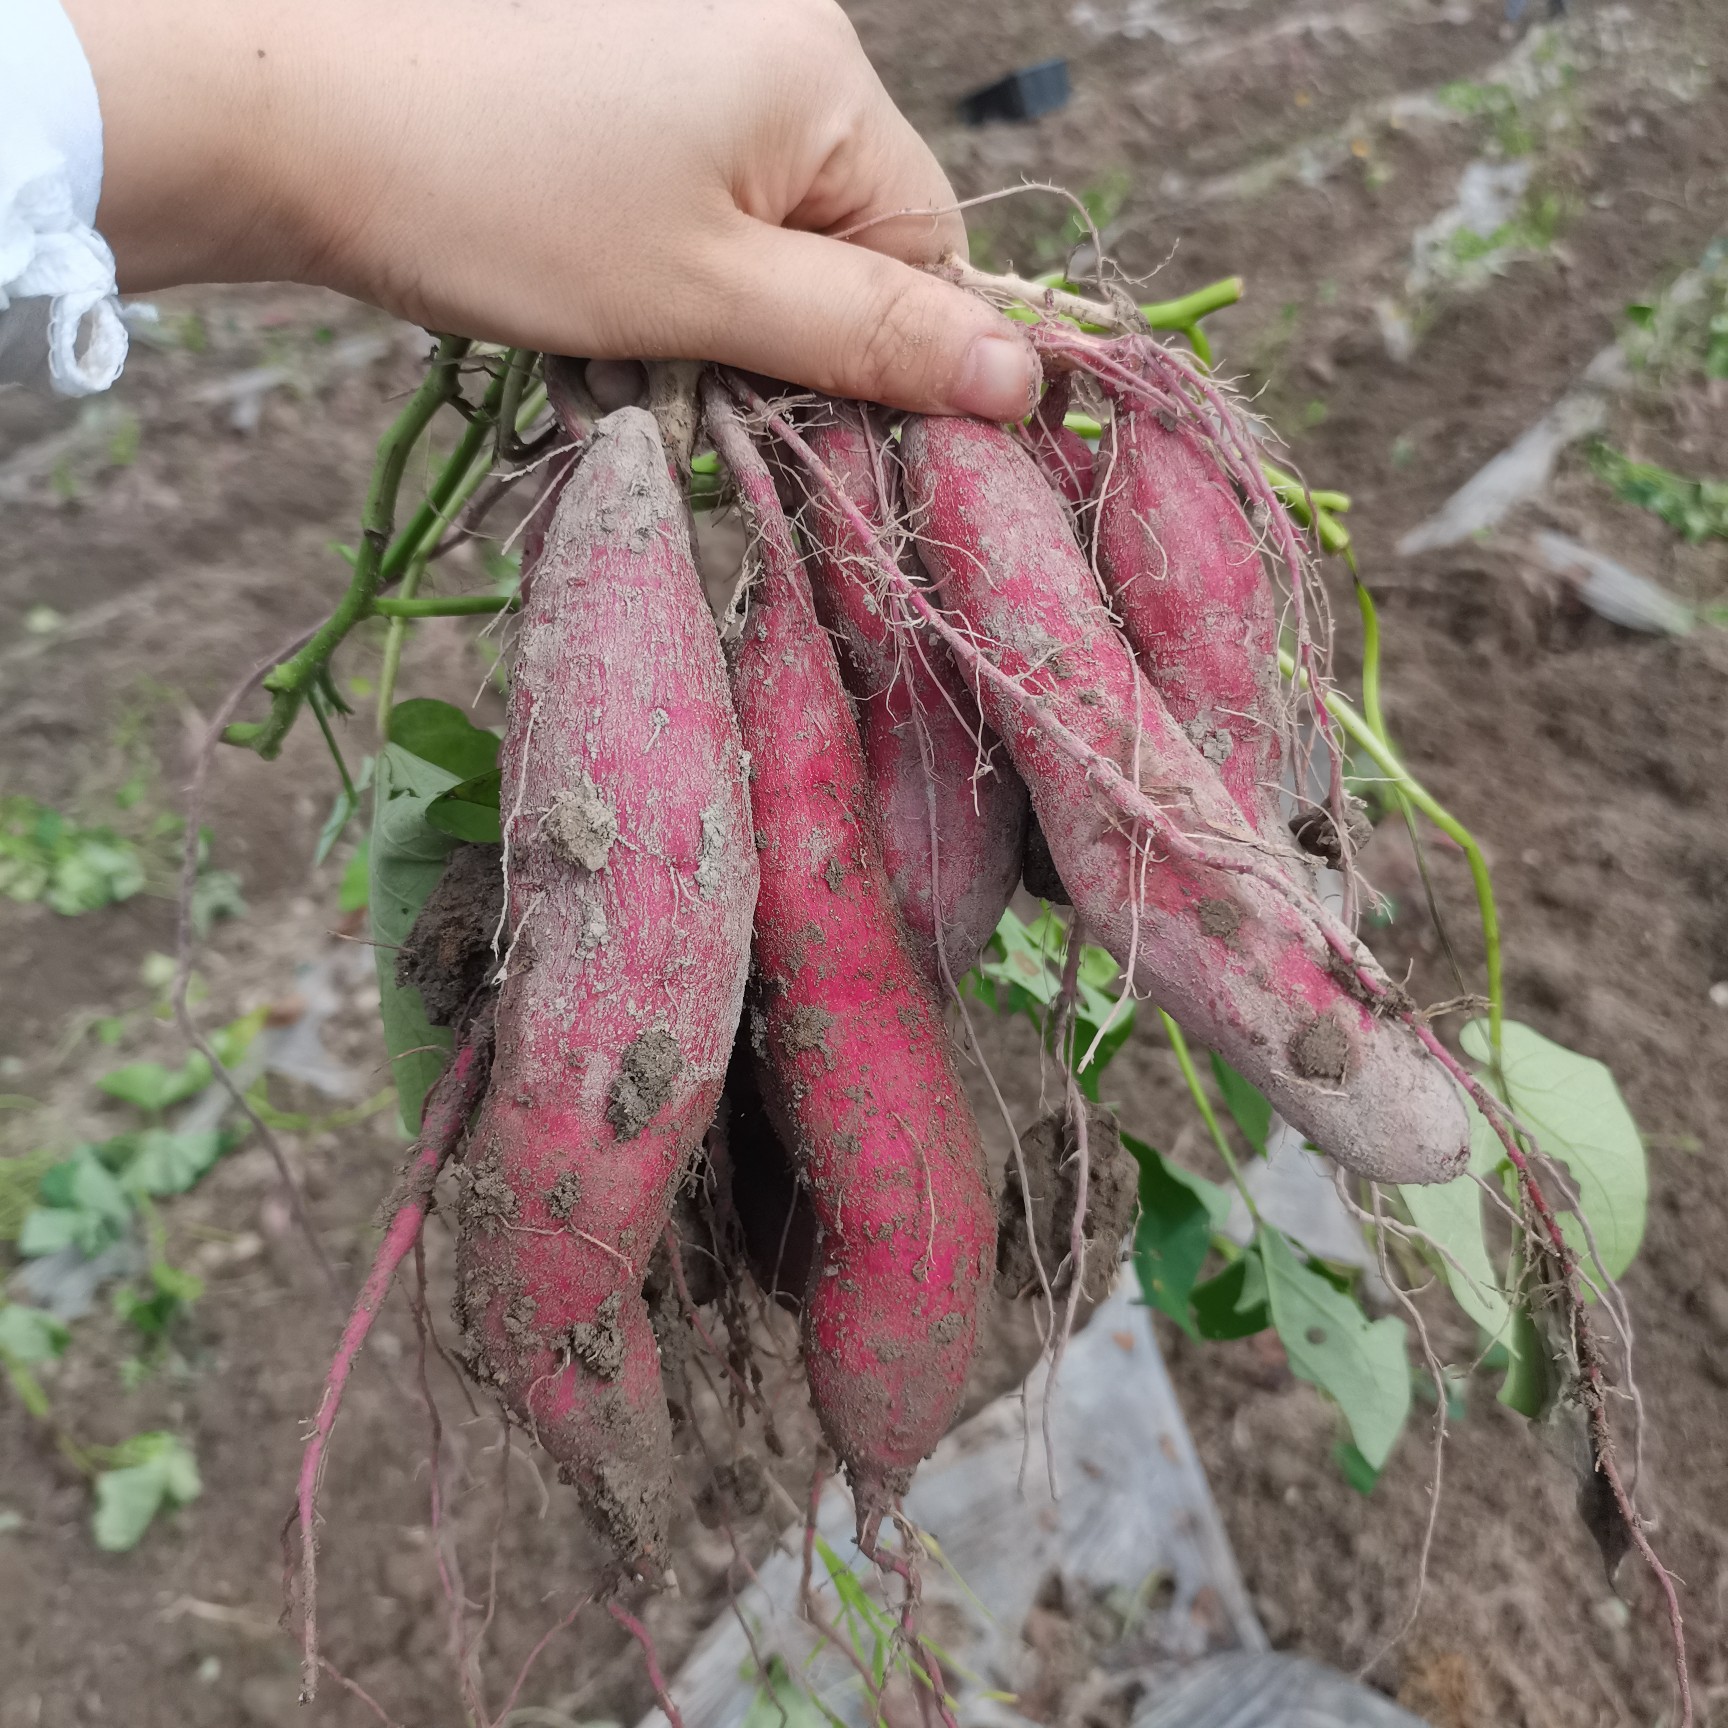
(852, 322)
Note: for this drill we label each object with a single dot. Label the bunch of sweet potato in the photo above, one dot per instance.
(778, 855)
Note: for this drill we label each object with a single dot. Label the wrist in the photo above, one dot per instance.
(203, 113)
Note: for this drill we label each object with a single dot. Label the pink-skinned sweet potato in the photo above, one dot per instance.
(1064, 456)
(631, 882)
(1239, 963)
(951, 810)
(855, 1058)
(1190, 587)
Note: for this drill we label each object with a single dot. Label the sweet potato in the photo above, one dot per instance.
(1063, 455)
(1237, 961)
(951, 810)
(855, 1057)
(1190, 587)
(631, 881)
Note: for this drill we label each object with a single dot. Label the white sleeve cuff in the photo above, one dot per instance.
(50, 182)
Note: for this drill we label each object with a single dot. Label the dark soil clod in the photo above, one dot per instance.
(448, 955)
(1052, 1173)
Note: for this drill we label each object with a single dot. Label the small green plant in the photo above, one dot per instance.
(132, 1482)
(1500, 111)
(1684, 331)
(1694, 509)
(75, 867)
(1533, 230)
(99, 1194)
(47, 856)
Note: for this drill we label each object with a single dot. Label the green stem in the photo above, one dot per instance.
(516, 371)
(451, 508)
(289, 682)
(444, 606)
(1183, 314)
(434, 511)
(1185, 1061)
(394, 639)
(1374, 745)
(323, 720)
(1312, 509)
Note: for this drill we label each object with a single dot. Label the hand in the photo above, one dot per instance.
(609, 178)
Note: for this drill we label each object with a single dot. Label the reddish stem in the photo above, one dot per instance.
(651, 1658)
(448, 1107)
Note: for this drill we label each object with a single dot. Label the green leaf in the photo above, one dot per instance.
(343, 811)
(780, 1702)
(1021, 973)
(82, 1206)
(30, 1335)
(1252, 1114)
(1574, 1109)
(356, 886)
(159, 1471)
(1359, 1363)
(1233, 1305)
(470, 810)
(406, 858)
(1179, 1214)
(1356, 1470)
(172, 1292)
(1450, 1213)
(1531, 1384)
(94, 874)
(170, 1163)
(443, 736)
(153, 1088)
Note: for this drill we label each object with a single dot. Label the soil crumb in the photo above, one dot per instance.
(807, 1029)
(1220, 919)
(1321, 1051)
(1052, 1172)
(565, 1195)
(581, 826)
(448, 955)
(488, 1202)
(711, 852)
(1317, 834)
(646, 1076)
(598, 1344)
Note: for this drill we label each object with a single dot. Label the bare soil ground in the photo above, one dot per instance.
(1300, 147)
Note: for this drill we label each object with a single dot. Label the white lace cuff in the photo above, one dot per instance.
(50, 181)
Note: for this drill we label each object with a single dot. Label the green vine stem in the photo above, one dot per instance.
(1181, 316)
(323, 720)
(1185, 1061)
(289, 682)
(444, 606)
(462, 477)
(517, 370)
(1374, 744)
(1316, 510)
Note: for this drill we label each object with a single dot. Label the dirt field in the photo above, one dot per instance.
(152, 551)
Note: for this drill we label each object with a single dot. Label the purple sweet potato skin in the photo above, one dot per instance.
(855, 1059)
(950, 809)
(632, 882)
(1187, 581)
(1236, 962)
